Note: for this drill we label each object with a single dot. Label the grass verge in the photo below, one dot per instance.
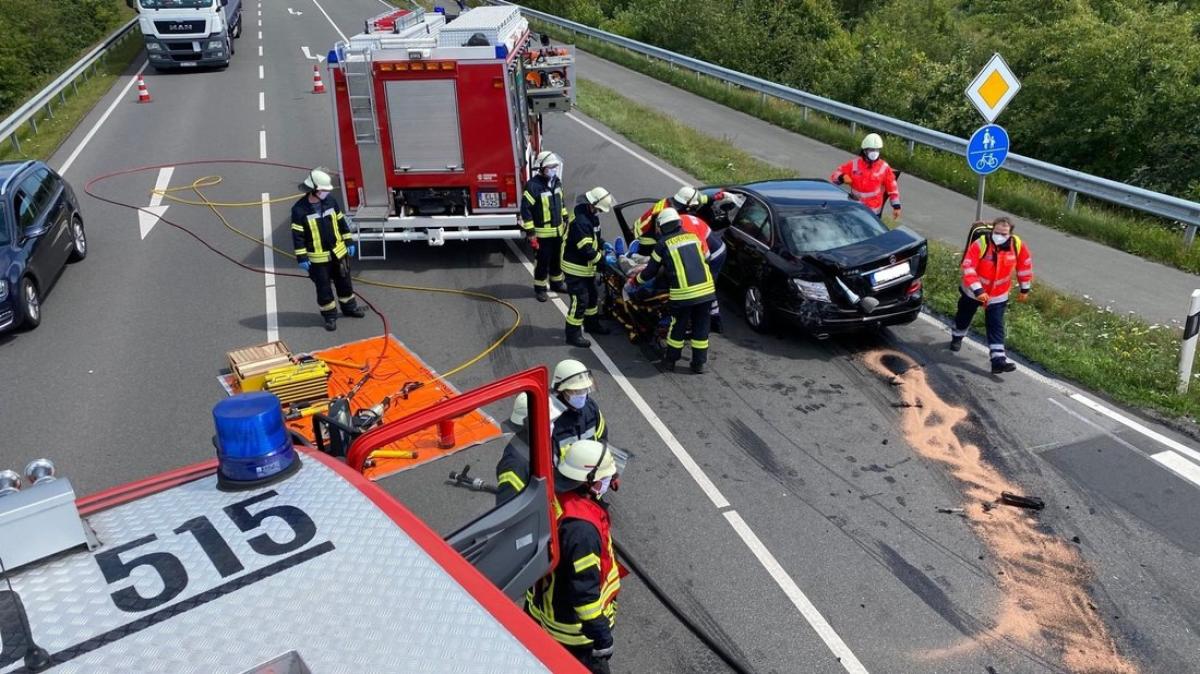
(52, 131)
(1121, 356)
(1145, 236)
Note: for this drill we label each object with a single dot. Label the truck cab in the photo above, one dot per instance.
(188, 33)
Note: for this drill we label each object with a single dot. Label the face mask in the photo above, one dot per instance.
(322, 195)
(601, 488)
(873, 155)
(552, 172)
(577, 401)
(999, 239)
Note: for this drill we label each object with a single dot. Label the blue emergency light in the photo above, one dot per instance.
(253, 446)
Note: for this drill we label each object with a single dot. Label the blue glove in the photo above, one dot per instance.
(608, 247)
(635, 247)
(305, 265)
(353, 249)
(619, 248)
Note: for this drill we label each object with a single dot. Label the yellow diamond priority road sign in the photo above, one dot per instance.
(993, 88)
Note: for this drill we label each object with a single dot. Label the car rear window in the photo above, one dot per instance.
(826, 229)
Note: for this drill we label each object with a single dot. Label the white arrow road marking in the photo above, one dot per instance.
(309, 55)
(148, 215)
(294, 12)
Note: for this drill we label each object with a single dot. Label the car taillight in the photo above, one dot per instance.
(914, 287)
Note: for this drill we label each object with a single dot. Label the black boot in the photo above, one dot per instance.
(540, 293)
(353, 310)
(331, 323)
(593, 326)
(1000, 367)
(956, 343)
(577, 339)
(698, 368)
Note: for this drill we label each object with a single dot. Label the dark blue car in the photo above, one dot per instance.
(40, 231)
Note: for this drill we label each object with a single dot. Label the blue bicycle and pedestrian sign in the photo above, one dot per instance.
(987, 149)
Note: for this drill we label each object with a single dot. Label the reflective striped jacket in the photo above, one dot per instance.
(989, 268)
(582, 246)
(870, 181)
(681, 257)
(543, 212)
(319, 230)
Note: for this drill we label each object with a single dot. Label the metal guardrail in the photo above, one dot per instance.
(44, 99)
(1074, 182)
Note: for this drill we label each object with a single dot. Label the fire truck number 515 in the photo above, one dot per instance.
(171, 570)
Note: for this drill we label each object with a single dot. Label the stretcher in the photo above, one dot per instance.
(642, 312)
(400, 377)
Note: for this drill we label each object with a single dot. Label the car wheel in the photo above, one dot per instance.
(30, 304)
(78, 240)
(755, 309)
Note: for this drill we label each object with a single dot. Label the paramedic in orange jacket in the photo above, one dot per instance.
(987, 270)
(870, 178)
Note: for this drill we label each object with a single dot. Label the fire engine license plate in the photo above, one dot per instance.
(489, 199)
(890, 273)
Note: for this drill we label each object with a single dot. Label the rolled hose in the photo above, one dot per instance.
(728, 658)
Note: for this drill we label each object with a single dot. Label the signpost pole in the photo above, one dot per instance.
(979, 200)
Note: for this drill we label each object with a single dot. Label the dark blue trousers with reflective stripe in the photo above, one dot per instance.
(696, 316)
(993, 317)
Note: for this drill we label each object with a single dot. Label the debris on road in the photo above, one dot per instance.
(952, 511)
(1030, 502)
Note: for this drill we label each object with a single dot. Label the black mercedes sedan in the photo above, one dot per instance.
(801, 251)
(40, 231)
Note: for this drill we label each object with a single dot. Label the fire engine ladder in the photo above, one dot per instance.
(375, 205)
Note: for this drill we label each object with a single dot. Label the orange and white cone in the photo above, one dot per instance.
(318, 85)
(143, 93)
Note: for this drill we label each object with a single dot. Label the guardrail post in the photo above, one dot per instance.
(16, 143)
(912, 147)
(1187, 354)
(50, 109)
(1071, 196)
(804, 113)
(853, 128)
(33, 123)
(762, 99)
(1189, 236)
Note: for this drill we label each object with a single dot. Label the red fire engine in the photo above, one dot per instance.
(437, 122)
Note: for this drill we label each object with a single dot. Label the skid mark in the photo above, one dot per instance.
(1042, 578)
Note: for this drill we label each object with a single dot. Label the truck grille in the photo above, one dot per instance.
(180, 27)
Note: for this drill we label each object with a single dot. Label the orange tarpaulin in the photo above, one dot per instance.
(394, 369)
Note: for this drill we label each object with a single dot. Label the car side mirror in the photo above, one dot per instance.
(31, 233)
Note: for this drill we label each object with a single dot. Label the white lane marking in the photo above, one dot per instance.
(148, 216)
(260, 50)
(262, 101)
(621, 146)
(772, 566)
(294, 12)
(1180, 466)
(261, 72)
(1130, 423)
(99, 122)
(1116, 438)
(309, 55)
(269, 267)
(335, 26)
(260, 23)
(260, 11)
(262, 144)
(844, 655)
(260, 34)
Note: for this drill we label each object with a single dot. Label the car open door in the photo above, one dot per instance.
(627, 214)
(516, 542)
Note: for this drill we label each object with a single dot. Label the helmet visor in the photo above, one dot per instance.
(579, 383)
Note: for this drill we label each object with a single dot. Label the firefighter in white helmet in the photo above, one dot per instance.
(576, 602)
(583, 248)
(870, 178)
(323, 246)
(574, 416)
(543, 219)
(687, 199)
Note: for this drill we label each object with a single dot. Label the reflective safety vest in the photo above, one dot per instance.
(319, 230)
(542, 209)
(581, 248)
(644, 227)
(871, 182)
(989, 268)
(584, 585)
(682, 256)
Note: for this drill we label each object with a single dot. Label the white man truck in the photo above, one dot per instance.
(189, 33)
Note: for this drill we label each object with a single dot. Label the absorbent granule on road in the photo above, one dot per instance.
(1043, 579)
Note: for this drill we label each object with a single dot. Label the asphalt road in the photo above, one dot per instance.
(787, 500)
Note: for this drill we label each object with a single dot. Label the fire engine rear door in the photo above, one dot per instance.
(423, 119)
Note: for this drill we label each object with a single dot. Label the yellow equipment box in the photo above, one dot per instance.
(299, 382)
(251, 364)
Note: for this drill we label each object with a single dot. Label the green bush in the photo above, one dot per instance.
(41, 38)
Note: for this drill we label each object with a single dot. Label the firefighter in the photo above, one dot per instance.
(321, 237)
(987, 270)
(687, 199)
(680, 256)
(576, 603)
(870, 178)
(574, 415)
(582, 250)
(543, 219)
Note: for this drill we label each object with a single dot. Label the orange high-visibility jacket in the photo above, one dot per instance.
(989, 268)
(871, 183)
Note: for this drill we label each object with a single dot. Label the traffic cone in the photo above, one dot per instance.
(318, 85)
(143, 93)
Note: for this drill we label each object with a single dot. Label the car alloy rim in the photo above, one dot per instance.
(80, 239)
(31, 300)
(753, 306)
